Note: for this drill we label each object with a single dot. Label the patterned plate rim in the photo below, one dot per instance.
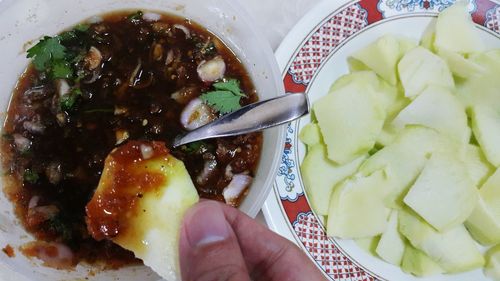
(322, 31)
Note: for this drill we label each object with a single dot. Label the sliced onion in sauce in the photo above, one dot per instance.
(34, 127)
(208, 168)
(184, 29)
(93, 58)
(212, 70)
(170, 57)
(33, 202)
(236, 187)
(62, 87)
(196, 114)
(22, 144)
(146, 151)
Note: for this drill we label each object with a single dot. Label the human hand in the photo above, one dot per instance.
(219, 242)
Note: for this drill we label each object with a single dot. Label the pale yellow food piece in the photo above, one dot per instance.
(456, 32)
(420, 68)
(321, 175)
(418, 263)
(357, 208)
(484, 222)
(310, 134)
(437, 108)
(350, 120)
(478, 167)
(453, 250)
(405, 157)
(492, 268)
(443, 194)
(460, 66)
(391, 246)
(154, 190)
(369, 244)
(383, 55)
(486, 128)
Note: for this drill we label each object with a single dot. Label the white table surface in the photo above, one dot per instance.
(275, 18)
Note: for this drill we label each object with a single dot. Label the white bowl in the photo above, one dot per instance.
(27, 20)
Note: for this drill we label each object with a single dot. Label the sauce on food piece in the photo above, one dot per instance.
(124, 182)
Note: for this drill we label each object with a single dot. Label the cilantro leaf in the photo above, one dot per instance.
(49, 48)
(67, 36)
(135, 16)
(192, 147)
(68, 101)
(231, 85)
(222, 101)
(30, 176)
(61, 69)
(226, 97)
(60, 226)
(82, 27)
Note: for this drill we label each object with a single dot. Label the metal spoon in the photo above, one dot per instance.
(251, 118)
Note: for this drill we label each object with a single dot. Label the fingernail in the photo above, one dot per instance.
(206, 225)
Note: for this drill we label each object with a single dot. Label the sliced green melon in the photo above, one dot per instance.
(478, 167)
(394, 99)
(482, 89)
(459, 65)
(369, 244)
(443, 194)
(486, 127)
(420, 68)
(406, 44)
(388, 94)
(365, 78)
(396, 104)
(355, 65)
(418, 263)
(405, 157)
(382, 57)
(357, 207)
(321, 175)
(310, 134)
(484, 222)
(436, 107)
(463, 36)
(453, 250)
(492, 268)
(391, 246)
(350, 119)
(429, 35)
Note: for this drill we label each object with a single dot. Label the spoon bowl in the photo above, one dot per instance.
(251, 118)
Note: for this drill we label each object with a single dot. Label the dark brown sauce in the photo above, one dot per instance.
(52, 180)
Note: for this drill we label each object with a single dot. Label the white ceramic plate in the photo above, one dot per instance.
(311, 57)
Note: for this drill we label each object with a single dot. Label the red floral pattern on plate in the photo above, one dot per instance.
(313, 52)
(324, 252)
(324, 40)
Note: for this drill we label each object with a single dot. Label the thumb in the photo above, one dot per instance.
(209, 249)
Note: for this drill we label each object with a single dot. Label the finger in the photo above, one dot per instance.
(209, 249)
(269, 256)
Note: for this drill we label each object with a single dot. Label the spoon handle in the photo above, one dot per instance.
(251, 118)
